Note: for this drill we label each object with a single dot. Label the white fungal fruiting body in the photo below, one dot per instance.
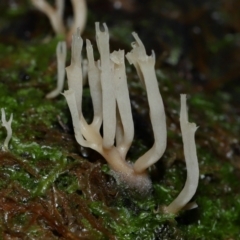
(145, 65)
(188, 131)
(55, 15)
(112, 110)
(7, 125)
(61, 52)
(80, 16)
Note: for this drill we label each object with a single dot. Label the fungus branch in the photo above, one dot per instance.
(188, 131)
(95, 86)
(145, 68)
(80, 17)
(107, 84)
(7, 125)
(55, 15)
(61, 52)
(124, 125)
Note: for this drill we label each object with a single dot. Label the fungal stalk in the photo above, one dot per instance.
(61, 52)
(188, 132)
(7, 125)
(112, 111)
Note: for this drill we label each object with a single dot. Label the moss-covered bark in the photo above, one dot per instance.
(51, 188)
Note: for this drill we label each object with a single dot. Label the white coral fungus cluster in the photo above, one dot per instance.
(112, 110)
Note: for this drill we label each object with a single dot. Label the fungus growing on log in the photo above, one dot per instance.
(112, 111)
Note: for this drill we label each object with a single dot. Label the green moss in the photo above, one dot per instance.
(47, 181)
(140, 221)
(67, 183)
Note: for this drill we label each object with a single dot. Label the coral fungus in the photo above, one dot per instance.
(112, 111)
